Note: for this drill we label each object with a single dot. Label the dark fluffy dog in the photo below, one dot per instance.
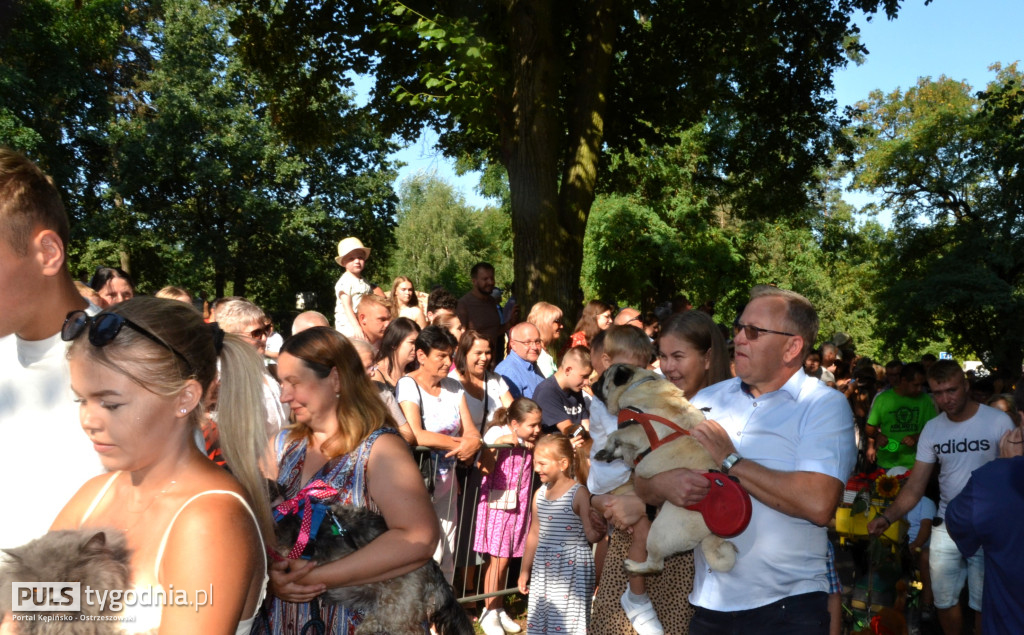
(98, 559)
(399, 605)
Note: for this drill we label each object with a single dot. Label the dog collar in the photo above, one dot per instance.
(634, 416)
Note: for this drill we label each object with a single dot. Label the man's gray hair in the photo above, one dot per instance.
(800, 313)
(238, 314)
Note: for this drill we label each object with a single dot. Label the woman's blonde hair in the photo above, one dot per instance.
(360, 410)
(241, 415)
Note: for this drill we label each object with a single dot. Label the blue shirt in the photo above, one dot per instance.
(804, 426)
(521, 376)
(988, 514)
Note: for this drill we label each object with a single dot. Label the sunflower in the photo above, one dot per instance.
(887, 487)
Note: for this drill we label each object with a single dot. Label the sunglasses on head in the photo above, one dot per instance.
(104, 327)
(753, 332)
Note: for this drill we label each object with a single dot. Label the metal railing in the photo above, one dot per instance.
(469, 565)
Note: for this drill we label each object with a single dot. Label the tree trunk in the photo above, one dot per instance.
(547, 224)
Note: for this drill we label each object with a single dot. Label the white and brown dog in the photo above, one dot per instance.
(675, 529)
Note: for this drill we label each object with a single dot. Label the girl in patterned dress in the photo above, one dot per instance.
(558, 567)
(342, 448)
(504, 502)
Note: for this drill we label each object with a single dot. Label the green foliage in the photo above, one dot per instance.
(439, 237)
(546, 89)
(948, 164)
(178, 169)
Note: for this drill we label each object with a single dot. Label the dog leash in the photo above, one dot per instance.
(315, 624)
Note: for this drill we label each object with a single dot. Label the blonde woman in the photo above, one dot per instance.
(140, 371)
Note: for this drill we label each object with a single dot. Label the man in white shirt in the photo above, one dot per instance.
(789, 441)
(44, 454)
(964, 437)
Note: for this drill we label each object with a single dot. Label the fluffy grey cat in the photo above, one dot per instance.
(96, 558)
(397, 606)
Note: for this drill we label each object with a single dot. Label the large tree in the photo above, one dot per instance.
(546, 88)
(948, 164)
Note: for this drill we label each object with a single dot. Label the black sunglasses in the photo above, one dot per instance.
(104, 328)
(257, 333)
(753, 332)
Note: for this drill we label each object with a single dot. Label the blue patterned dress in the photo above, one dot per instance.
(347, 474)
(562, 577)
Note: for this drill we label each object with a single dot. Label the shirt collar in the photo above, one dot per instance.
(793, 386)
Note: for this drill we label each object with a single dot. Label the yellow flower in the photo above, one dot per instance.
(887, 486)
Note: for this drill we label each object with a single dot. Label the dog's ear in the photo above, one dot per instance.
(623, 374)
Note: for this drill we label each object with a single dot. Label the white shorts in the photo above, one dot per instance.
(950, 570)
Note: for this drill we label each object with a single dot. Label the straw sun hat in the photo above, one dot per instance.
(347, 246)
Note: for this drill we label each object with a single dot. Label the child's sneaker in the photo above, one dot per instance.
(641, 615)
(507, 622)
(490, 623)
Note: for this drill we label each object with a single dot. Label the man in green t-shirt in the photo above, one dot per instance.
(897, 418)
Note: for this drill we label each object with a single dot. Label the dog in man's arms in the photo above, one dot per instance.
(675, 529)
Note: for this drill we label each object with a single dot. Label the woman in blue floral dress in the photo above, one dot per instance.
(343, 448)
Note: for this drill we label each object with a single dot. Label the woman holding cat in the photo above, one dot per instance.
(140, 371)
(344, 445)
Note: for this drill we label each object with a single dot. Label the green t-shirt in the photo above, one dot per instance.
(896, 416)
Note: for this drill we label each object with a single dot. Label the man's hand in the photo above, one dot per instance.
(909, 440)
(878, 525)
(681, 487)
(714, 438)
(871, 454)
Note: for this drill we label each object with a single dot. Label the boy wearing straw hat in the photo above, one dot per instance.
(352, 255)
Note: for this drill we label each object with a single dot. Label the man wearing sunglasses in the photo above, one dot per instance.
(42, 440)
(789, 441)
(245, 319)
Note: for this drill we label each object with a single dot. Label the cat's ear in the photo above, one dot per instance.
(13, 553)
(97, 542)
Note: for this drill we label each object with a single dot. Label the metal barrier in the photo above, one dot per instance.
(469, 565)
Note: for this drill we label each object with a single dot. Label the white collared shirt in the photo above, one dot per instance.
(804, 426)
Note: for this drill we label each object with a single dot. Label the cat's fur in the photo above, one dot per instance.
(97, 558)
(398, 606)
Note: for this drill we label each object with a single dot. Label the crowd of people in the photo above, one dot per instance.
(165, 419)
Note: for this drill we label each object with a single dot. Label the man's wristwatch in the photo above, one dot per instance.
(730, 461)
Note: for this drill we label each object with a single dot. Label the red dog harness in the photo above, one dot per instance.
(726, 508)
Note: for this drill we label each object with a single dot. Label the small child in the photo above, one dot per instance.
(350, 286)
(502, 513)
(558, 567)
(621, 344)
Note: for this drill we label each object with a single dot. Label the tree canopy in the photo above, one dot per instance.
(948, 164)
(545, 89)
(171, 160)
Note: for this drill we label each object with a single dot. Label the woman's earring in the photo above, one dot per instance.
(183, 411)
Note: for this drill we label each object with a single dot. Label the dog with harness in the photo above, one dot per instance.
(655, 419)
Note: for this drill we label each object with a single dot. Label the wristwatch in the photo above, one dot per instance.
(730, 461)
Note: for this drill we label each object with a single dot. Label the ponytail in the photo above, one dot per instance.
(516, 411)
(242, 423)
